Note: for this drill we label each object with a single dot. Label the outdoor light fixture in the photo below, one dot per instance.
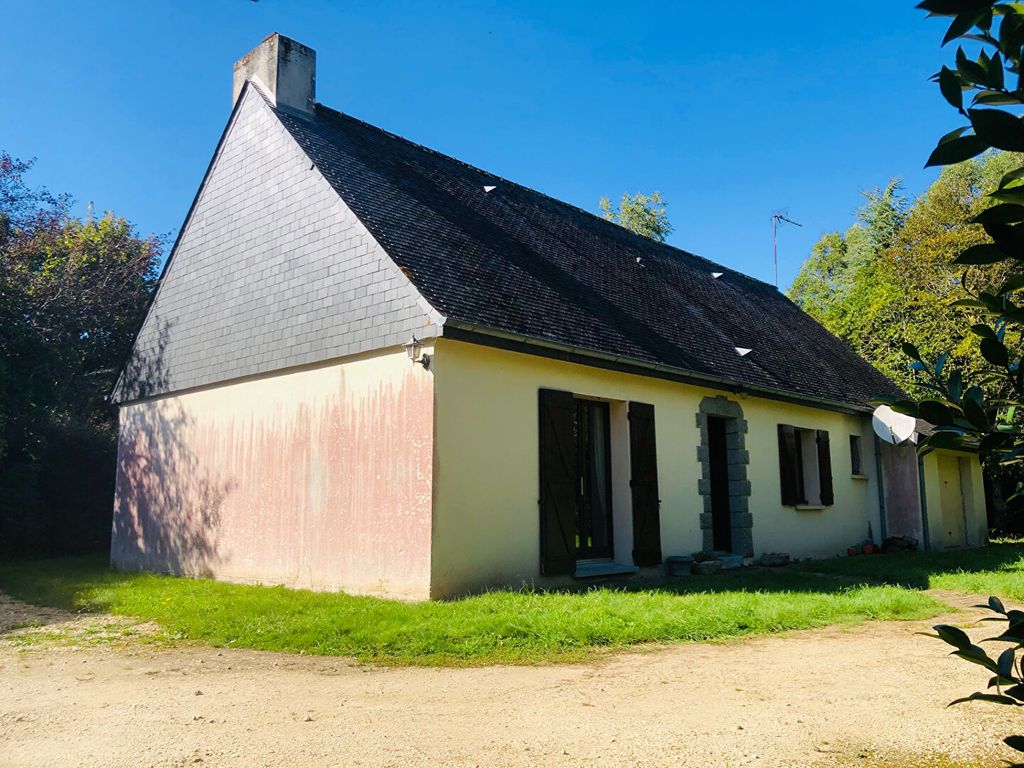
(414, 349)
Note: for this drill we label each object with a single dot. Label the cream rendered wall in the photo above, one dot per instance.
(486, 518)
(972, 489)
(318, 478)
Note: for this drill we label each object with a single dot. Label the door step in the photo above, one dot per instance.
(591, 570)
(729, 560)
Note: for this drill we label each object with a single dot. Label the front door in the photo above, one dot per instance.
(718, 458)
(951, 501)
(593, 469)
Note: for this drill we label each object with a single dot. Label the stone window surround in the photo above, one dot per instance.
(739, 485)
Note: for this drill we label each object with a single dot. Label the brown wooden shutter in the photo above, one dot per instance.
(558, 492)
(825, 468)
(788, 477)
(643, 460)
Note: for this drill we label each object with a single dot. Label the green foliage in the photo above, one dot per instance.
(643, 214)
(890, 277)
(72, 294)
(975, 406)
(1006, 681)
(512, 627)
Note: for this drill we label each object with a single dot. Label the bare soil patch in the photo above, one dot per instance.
(24, 625)
(871, 695)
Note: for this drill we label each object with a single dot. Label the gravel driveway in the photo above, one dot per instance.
(868, 695)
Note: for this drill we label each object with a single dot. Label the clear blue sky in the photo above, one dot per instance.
(730, 114)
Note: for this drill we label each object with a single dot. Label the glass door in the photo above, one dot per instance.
(594, 469)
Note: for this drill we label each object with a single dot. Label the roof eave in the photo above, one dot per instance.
(461, 330)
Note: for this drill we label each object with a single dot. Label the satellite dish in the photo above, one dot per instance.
(892, 427)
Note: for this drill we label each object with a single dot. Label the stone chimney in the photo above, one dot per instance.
(284, 70)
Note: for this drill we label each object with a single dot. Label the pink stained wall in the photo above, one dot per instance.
(320, 479)
(902, 485)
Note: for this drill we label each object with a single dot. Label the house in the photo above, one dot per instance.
(371, 367)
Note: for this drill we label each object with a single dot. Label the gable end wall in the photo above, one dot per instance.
(272, 271)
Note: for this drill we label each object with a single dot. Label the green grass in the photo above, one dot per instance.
(498, 627)
(997, 569)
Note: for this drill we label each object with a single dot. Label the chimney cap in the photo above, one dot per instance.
(283, 69)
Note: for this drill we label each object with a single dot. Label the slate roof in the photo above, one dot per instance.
(522, 263)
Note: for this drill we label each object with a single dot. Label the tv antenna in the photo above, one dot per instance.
(779, 217)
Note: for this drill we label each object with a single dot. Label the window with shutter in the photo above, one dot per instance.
(805, 467)
(856, 466)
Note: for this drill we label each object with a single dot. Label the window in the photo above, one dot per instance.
(855, 465)
(805, 467)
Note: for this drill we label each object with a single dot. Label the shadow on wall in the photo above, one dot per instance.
(167, 510)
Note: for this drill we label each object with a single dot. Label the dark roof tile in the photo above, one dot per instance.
(520, 262)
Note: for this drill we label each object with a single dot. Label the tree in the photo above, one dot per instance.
(72, 294)
(842, 284)
(981, 410)
(889, 277)
(643, 214)
(978, 409)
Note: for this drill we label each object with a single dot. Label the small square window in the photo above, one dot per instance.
(855, 462)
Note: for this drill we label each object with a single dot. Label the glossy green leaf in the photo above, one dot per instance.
(994, 351)
(998, 129)
(975, 414)
(976, 655)
(975, 393)
(1015, 742)
(974, 303)
(1004, 213)
(955, 133)
(935, 412)
(985, 253)
(910, 350)
(949, 7)
(996, 98)
(990, 697)
(1014, 175)
(971, 71)
(1013, 284)
(995, 71)
(1004, 664)
(907, 407)
(949, 84)
(955, 385)
(956, 151)
(954, 636)
(1009, 194)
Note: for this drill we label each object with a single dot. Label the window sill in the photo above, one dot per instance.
(859, 477)
(809, 507)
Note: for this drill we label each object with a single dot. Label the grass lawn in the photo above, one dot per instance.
(997, 569)
(499, 627)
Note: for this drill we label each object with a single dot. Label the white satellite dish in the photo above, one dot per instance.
(892, 427)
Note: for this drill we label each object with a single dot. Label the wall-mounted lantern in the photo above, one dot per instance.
(414, 349)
